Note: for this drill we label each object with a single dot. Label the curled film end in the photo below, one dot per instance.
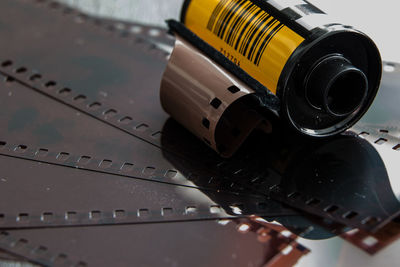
(207, 100)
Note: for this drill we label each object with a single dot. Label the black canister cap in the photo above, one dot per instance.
(335, 86)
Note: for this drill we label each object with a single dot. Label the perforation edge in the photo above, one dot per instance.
(80, 102)
(263, 230)
(120, 168)
(189, 212)
(375, 242)
(35, 253)
(378, 136)
(328, 210)
(25, 219)
(95, 109)
(315, 206)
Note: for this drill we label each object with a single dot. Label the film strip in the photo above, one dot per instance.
(37, 128)
(22, 74)
(249, 242)
(127, 66)
(43, 195)
(19, 102)
(6, 256)
(380, 125)
(57, 154)
(347, 217)
(373, 243)
(141, 128)
(99, 164)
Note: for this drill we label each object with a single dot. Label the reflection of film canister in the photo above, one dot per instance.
(325, 74)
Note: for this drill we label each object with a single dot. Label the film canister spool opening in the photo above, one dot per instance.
(336, 86)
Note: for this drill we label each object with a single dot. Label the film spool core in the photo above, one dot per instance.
(336, 86)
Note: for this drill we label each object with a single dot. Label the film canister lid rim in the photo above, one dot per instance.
(335, 86)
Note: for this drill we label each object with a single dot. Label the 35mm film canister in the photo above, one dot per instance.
(325, 74)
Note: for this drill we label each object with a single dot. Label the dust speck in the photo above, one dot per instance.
(103, 94)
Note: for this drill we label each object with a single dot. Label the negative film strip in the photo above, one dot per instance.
(233, 242)
(63, 136)
(43, 195)
(100, 111)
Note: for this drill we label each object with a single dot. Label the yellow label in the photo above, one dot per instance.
(247, 35)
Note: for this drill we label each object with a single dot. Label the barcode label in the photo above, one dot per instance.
(244, 26)
(249, 36)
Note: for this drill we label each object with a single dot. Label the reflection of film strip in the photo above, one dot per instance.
(311, 182)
